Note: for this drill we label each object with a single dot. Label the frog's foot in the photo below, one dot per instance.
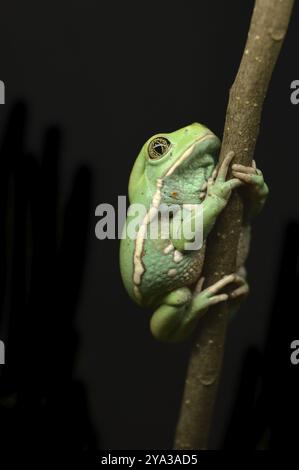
(212, 295)
(256, 190)
(252, 176)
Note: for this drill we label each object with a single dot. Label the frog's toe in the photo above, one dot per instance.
(223, 169)
(248, 174)
(245, 169)
(240, 291)
(216, 299)
(225, 281)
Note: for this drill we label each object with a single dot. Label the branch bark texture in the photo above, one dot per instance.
(268, 28)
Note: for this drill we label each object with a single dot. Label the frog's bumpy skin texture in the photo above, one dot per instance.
(162, 271)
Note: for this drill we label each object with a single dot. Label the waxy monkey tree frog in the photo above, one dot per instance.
(180, 168)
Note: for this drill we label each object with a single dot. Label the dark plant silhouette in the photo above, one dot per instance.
(267, 401)
(42, 251)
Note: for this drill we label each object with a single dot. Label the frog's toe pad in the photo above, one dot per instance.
(240, 291)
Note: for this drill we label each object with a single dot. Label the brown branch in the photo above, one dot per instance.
(268, 27)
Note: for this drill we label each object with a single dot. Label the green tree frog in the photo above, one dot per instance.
(180, 168)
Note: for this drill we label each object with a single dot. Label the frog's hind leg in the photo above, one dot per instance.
(166, 321)
(177, 316)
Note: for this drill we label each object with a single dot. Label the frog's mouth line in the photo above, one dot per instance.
(188, 152)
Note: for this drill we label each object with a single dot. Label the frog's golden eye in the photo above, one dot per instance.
(158, 147)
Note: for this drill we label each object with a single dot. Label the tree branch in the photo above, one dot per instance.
(268, 27)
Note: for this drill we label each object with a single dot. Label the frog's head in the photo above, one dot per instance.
(180, 162)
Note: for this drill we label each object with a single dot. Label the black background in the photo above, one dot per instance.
(86, 84)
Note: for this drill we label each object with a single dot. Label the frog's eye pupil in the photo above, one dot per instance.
(158, 147)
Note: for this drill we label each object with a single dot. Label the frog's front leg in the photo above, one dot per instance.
(176, 317)
(217, 195)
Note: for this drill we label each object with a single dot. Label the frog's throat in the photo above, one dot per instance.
(139, 267)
